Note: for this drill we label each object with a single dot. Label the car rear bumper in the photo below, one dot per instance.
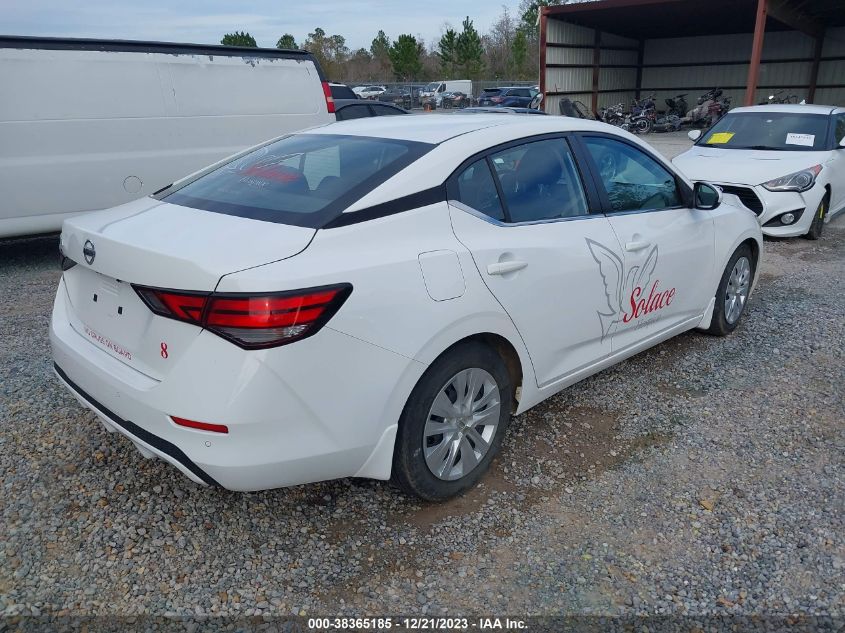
(314, 410)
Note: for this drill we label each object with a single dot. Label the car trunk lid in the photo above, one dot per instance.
(151, 243)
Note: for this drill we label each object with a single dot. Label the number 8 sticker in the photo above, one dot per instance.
(164, 353)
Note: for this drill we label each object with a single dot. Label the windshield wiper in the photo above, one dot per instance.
(761, 147)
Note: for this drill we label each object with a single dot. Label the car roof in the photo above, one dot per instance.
(800, 108)
(437, 128)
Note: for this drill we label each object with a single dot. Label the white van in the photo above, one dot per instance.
(437, 88)
(87, 124)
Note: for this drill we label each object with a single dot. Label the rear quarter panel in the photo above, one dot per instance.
(390, 306)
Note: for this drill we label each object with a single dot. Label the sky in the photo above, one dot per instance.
(205, 21)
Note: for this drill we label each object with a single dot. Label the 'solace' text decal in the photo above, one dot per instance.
(630, 295)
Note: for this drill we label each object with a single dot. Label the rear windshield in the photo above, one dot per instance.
(342, 92)
(786, 131)
(492, 91)
(304, 179)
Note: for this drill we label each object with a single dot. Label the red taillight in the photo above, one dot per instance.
(251, 321)
(497, 99)
(327, 91)
(202, 426)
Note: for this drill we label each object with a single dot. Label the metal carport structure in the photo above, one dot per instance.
(607, 51)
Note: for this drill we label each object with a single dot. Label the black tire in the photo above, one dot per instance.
(411, 472)
(817, 225)
(720, 325)
(642, 126)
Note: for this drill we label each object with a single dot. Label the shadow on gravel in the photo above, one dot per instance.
(30, 251)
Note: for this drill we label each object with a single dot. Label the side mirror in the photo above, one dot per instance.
(706, 196)
(694, 135)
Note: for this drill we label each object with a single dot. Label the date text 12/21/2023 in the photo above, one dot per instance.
(417, 624)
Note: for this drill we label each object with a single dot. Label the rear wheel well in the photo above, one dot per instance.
(508, 354)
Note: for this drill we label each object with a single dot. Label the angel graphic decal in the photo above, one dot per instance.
(630, 294)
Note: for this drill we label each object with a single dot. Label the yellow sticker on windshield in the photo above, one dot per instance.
(720, 138)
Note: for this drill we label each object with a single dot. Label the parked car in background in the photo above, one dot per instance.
(375, 298)
(341, 91)
(455, 100)
(399, 96)
(517, 96)
(435, 89)
(88, 124)
(786, 163)
(368, 92)
(499, 110)
(346, 109)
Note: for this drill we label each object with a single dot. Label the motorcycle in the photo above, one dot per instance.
(454, 100)
(711, 107)
(677, 106)
(613, 115)
(779, 96)
(643, 115)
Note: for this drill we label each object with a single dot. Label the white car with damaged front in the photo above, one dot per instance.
(375, 298)
(786, 163)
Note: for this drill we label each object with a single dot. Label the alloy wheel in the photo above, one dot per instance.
(736, 294)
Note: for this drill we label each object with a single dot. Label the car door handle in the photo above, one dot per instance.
(636, 245)
(503, 268)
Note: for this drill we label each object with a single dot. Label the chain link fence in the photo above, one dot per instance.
(407, 95)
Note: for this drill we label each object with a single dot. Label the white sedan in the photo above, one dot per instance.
(784, 162)
(375, 298)
(368, 92)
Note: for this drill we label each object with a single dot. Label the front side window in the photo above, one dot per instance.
(540, 181)
(633, 180)
(782, 131)
(303, 179)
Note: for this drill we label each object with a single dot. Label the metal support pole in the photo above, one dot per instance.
(756, 52)
(596, 70)
(814, 70)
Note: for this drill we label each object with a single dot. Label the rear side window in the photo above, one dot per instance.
(477, 189)
(304, 179)
(540, 181)
(352, 112)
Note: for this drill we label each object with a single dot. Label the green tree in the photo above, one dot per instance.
(405, 55)
(519, 53)
(380, 51)
(470, 52)
(329, 50)
(238, 38)
(529, 11)
(380, 48)
(286, 41)
(447, 53)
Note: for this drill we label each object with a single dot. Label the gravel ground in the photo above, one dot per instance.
(702, 477)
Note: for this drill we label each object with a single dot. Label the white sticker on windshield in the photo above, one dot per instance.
(807, 140)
